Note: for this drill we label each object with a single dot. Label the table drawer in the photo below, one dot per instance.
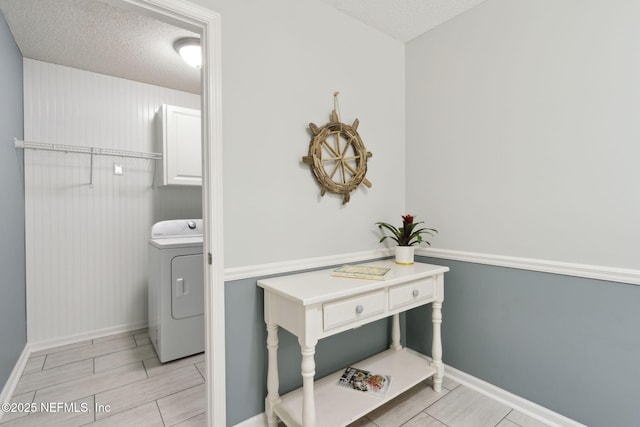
(352, 309)
(411, 293)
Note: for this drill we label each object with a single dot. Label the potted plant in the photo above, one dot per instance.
(406, 236)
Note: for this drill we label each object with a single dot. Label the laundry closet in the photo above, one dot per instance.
(88, 216)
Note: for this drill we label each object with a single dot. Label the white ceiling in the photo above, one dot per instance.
(403, 19)
(95, 36)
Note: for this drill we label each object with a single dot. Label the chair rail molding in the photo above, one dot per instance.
(260, 270)
(611, 274)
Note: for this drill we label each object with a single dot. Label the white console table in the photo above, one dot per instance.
(316, 305)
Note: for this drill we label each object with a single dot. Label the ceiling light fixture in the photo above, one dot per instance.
(189, 49)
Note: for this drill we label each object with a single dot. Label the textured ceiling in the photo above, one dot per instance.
(95, 36)
(403, 19)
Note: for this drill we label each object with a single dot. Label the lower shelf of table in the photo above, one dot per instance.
(338, 406)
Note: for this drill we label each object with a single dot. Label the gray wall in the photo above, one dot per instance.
(246, 351)
(569, 344)
(13, 326)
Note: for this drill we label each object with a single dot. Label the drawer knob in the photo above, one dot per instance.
(416, 292)
(359, 309)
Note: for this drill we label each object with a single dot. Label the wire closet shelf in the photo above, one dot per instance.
(86, 150)
(91, 151)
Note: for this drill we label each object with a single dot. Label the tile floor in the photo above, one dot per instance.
(119, 381)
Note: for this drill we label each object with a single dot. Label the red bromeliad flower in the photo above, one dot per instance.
(407, 219)
(407, 235)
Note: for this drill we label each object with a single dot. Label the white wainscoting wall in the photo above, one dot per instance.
(86, 245)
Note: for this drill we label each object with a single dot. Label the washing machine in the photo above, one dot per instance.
(176, 288)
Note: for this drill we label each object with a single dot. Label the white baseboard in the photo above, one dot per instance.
(259, 420)
(71, 339)
(527, 407)
(16, 373)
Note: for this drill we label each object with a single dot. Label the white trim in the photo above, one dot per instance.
(72, 339)
(531, 409)
(527, 407)
(611, 274)
(261, 270)
(259, 420)
(14, 377)
(185, 14)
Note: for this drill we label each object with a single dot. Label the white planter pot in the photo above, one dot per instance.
(404, 255)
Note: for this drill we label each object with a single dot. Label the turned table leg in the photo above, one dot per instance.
(273, 381)
(395, 333)
(436, 346)
(308, 369)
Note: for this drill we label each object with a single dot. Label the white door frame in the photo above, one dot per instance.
(206, 22)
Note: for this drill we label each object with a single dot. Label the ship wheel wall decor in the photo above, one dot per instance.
(337, 157)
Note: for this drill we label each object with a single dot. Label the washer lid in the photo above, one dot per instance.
(178, 242)
(177, 228)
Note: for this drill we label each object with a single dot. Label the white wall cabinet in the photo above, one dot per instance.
(179, 133)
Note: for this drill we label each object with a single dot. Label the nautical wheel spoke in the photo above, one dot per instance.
(347, 145)
(335, 169)
(353, 171)
(337, 141)
(344, 173)
(350, 158)
(332, 159)
(330, 148)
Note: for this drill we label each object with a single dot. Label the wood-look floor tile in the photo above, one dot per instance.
(141, 392)
(85, 386)
(42, 379)
(146, 415)
(197, 421)
(202, 368)
(183, 405)
(75, 417)
(423, 420)
(60, 348)
(154, 367)
(362, 422)
(123, 357)
(21, 399)
(464, 407)
(406, 406)
(524, 420)
(507, 423)
(88, 351)
(449, 384)
(142, 339)
(119, 335)
(34, 364)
